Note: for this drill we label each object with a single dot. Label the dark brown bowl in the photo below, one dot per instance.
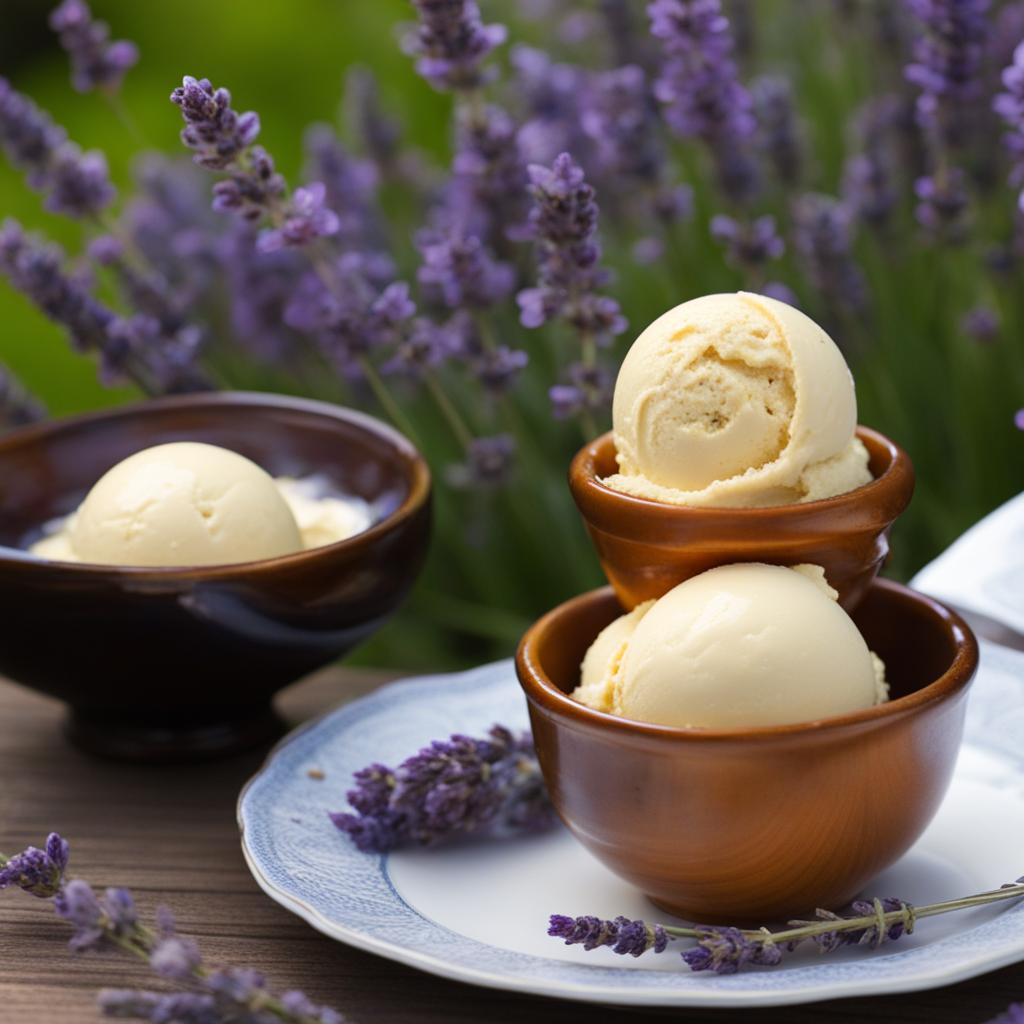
(647, 547)
(167, 663)
(763, 824)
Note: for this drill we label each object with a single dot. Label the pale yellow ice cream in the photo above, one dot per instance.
(739, 646)
(735, 400)
(189, 504)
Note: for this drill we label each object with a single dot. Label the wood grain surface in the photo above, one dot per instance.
(169, 834)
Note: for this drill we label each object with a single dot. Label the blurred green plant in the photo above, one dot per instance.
(812, 100)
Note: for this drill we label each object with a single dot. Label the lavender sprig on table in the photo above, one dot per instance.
(726, 950)
(209, 995)
(452, 788)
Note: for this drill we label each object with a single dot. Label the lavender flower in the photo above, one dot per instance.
(215, 132)
(489, 462)
(379, 134)
(424, 346)
(778, 131)
(498, 368)
(564, 225)
(211, 996)
(1009, 105)
(823, 234)
(457, 271)
(980, 324)
(587, 389)
(1013, 1014)
(1018, 419)
(17, 405)
(451, 42)
(780, 291)
(39, 872)
(350, 186)
(948, 57)
(455, 787)
(76, 183)
(869, 186)
(96, 62)
(306, 218)
(28, 136)
(624, 936)
(699, 87)
(748, 246)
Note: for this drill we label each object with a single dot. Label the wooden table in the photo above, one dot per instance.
(169, 834)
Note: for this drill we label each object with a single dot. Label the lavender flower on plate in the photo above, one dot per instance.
(210, 995)
(450, 789)
(726, 950)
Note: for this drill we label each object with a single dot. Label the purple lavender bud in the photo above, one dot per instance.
(748, 245)
(119, 907)
(17, 407)
(498, 368)
(589, 389)
(1013, 1014)
(778, 131)
(78, 183)
(1009, 105)
(106, 250)
(727, 950)
(823, 235)
(96, 62)
(28, 136)
(425, 346)
(78, 905)
(379, 134)
(459, 786)
(238, 985)
(175, 959)
(38, 872)
(648, 250)
(450, 43)
(981, 324)
(942, 201)
(458, 271)
(128, 1003)
(700, 90)
(624, 936)
(305, 218)
(351, 184)
(299, 1004)
(618, 117)
(563, 222)
(213, 130)
(780, 291)
(948, 57)
(1018, 419)
(253, 191)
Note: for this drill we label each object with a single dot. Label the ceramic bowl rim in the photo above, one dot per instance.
(588, 489)
(416, 473)
(541, 690)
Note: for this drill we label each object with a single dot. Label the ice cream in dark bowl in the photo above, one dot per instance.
(748, 725)
(167, 567)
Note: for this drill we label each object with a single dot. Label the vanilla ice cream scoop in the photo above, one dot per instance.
(183, 504)
(739, 646)
(735, 400)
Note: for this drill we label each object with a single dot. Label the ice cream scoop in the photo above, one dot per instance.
(183, 504)
(735, 400)
(739, 646)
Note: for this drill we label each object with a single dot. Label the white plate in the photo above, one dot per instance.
(479, 912)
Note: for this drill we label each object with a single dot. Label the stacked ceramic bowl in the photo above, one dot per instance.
(770, 821)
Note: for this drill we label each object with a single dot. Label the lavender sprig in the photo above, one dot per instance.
(17, 405)
(699, 87)
(450, 43)
(211, 995)
(1009, 105)
(726, 950)
(823, 236)
(76, 184)
(96, 62)
(452, 788)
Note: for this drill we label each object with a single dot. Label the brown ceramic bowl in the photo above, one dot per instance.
(763, 824)
(647, 547)
(179, 662)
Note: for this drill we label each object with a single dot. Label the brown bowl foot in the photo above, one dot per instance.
(134, 740)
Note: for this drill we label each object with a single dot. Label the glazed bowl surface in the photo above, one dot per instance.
(168, 663)
(757, 825)
(647, 547)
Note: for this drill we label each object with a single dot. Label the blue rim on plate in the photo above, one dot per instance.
(302, 862)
